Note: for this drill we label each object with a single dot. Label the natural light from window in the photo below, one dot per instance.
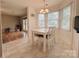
(66, 18)
(41, 18)
(53, 19)
(24, 24)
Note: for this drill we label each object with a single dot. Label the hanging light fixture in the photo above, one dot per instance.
(45, 9)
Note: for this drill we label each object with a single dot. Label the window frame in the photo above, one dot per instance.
(39, 22)
(24, 24)
(70, 5)
(58, 18)
(61, 18)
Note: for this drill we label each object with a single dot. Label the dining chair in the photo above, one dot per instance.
(50, 37)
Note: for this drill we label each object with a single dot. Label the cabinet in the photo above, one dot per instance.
(76, 43)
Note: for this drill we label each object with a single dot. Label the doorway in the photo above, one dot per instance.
(14, 34)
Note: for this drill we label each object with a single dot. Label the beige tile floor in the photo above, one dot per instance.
(22, 49)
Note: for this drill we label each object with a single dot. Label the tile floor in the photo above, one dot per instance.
(22, 49)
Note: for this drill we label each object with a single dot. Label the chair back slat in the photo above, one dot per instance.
(51, 32)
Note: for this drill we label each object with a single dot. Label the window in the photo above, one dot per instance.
(41, 18)
(53, 19)
(24, 24)
(66, 18)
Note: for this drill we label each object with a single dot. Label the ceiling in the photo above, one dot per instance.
(18, 7)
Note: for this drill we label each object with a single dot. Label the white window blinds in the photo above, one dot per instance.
(53, 19)
(66, 18)
(41, 18)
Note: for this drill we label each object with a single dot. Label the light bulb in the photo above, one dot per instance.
(46, 10)
(41, 10)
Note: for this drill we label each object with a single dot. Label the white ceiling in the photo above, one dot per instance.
(18, 7)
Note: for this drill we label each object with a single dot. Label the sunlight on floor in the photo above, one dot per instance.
(22, 49)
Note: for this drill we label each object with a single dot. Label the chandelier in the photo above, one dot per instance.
(45, 9)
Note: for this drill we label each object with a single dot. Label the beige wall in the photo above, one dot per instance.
(76, 35)
(0, 34)
(0, 37)
(65, 36)
(77, 7)
(9, 21)
(32, 21)
(70, 38)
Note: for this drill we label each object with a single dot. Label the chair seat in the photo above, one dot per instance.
(50, 37)
(41, 36)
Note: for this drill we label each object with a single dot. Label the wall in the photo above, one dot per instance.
(32, 21)
(0, 35)
(9, 21)
(65, 36)
(76, 35)
(77, 7)
(69, 39)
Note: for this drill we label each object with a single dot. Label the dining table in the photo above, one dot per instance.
(43, 32)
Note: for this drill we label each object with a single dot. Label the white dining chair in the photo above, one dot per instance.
(51, 38)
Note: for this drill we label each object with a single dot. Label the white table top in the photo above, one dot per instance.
(43, 30)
